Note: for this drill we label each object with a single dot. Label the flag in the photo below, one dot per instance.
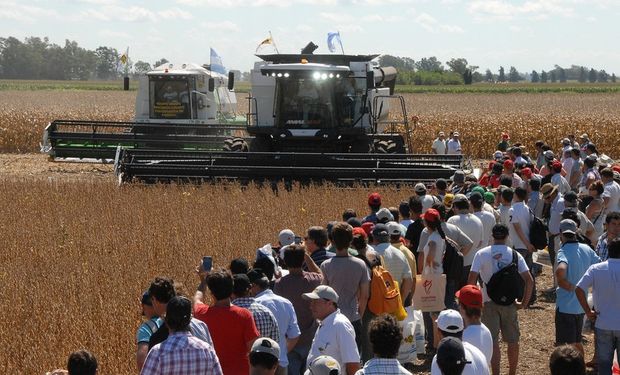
(332, 38)
(264, 43)
(216, 63)
(125, 57)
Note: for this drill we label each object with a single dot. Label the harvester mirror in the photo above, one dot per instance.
(211, 84)
(231, 81)
(370, 80)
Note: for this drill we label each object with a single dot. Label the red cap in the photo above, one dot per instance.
(360, 231)
(508, 164)
(368, 227)
(431, 215)
(616, 168)
(374, 199)
(491, 164)
(526, 172)
(556, 165)
(470, 296)
(505, 136)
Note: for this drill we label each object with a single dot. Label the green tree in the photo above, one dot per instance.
(459, 65)
(159, 62)
(513, 75)
(488, 76)
(107, 62)
(592, 75)
(613, 77)
(544, 77)
(583, 75)
(603, 77)
(430, 64)
(400, 63)
(502, 75)
(477, 77)
(535, 77)
(562, 75)
(141, 67)
(552, 77)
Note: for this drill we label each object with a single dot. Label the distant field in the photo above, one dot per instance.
(244, 87)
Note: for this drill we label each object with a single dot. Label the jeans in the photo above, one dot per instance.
(450, 298)
(606, 342)
(530, 263)
(428, 330)
(297, 360)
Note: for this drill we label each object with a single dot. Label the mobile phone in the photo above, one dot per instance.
(207, 263)
(297, 240)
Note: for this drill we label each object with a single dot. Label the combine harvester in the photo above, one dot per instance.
(182, 107)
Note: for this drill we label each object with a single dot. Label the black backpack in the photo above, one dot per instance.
(504, 286)
(538, 232)
(452, 260)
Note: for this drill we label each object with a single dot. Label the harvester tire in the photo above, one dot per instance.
(361, 147)
(386, 147)
(235, 145)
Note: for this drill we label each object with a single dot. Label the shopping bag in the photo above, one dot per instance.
(407, 353)
(430, 290)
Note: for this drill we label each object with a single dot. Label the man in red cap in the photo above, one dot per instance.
(509, 171)
(475, 333)
(557, 179)
(374, 203)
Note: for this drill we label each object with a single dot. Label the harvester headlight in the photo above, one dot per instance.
(316, 75)
(337, 75)
(324, 76)
(331, 75)
(286, 75)
(273, 74)
(279, 75)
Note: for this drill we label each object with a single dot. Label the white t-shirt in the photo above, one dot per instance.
(454, 147)
(488, 221)
(439, 146)
(472, 227)
(519, 214)
(612, 191)
(335, 337)
(491, 259)
(559, 181)
(439, 249)
(504, 218)
(480, 337)
(478, 365)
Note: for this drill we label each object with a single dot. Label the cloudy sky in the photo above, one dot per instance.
(529, 34)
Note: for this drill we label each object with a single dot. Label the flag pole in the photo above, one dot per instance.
(340, 41)
(273, 42)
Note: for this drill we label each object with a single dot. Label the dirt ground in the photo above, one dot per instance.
(537, 323)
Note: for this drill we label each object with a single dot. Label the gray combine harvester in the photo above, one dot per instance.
(311, 118)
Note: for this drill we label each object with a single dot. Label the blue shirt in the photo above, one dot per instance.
(578, 258)
(604, 278)
(284, 312)
(147, 329)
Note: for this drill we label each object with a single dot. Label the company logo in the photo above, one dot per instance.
(428, 284)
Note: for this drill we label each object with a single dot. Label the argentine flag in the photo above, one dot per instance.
(332, 38)
(216, 63)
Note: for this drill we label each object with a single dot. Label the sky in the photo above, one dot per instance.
(527, 34)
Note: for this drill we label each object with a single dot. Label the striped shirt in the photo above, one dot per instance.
(182, 354)
(383, 366)
(263, 317)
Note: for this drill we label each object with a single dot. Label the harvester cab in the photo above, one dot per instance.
(324, 103)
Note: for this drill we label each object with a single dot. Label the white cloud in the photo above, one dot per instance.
(431, 24)
(111, 13)
(114, 34)
(534, 9)
(24, 13)
(222, 26)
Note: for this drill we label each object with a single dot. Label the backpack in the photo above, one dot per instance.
(384, 292)
(452, 261)
(504, 286)
(538, 232)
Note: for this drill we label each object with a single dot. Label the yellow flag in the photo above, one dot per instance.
(264, 42)
(124, 59)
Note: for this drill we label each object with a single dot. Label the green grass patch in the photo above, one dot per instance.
(37, 85)
(509, 88)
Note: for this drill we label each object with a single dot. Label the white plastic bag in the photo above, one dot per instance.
(419, 332)
(407, 353)
(615, 368)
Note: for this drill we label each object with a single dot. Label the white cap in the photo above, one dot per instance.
(266, 345)
(394, 228)
(384, 213)
(322, 292)
(450, 321)
(286, 237)
(323, 365)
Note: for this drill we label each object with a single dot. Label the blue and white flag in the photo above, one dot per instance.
(216, 63)
(332, 39)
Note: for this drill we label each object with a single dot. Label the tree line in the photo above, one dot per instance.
(37, 58)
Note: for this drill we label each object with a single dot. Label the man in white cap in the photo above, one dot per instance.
(323, 365)
(439, 144)
(450, 324)
(335, 336)
(454, 144)
(264, 356)
(427, 199)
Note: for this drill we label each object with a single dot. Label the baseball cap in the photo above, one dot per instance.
(584, 136)
(459, 198)
(420, 188)
(470, 296)
(451, 356)
(456, 134)
(393, 228)
(448, 199)
(566, 141)
(499, 231)
(384, 214)
(526, 172)
(431, 215)
(266, 345)
(360, 231)
(509, 164)
(374, 199)
(450, 321)
(322, 292)
(323, 365)
(568, 226)
(498, 155)
(549, 155)
(458, 177)
(489, 197)
(505, 136)
(478, 189)
(286, 237)
(380, 230)
(354, 222)
(146, 299)
(556, 164)
(368, 227)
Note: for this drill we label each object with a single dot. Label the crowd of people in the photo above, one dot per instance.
(323, 302)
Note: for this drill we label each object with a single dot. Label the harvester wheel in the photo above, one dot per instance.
(361, 147)
(386, 147)
(235, 145)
